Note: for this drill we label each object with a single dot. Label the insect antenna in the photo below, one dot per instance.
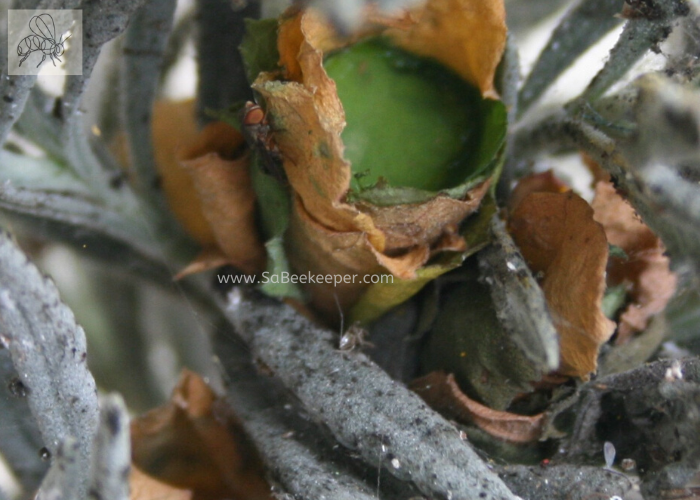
(340, 312)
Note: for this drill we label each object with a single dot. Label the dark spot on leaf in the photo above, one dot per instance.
(8, 98)
(17, 388)
(113, 422)
(117, 181)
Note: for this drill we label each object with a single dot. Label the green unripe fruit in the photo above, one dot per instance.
(410, 120)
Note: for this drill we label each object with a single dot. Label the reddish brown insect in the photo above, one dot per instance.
(258, 132)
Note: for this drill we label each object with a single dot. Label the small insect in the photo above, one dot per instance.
(355, 336)
(43, 39)
(258, 133)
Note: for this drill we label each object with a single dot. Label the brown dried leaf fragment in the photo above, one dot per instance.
(219, 167)
(209, 258)
(558, 237)
(442, 393)
(646, 271)
(174, 128)
(195, 443)
(468, 36)
(316, 249)
(144, 487)
(544, 182)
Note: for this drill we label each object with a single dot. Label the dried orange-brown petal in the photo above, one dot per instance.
(544, 182)
(220, 172)
(468, 36)
(646, 271)
(194, 443)
(442, 393)
(174, 127)
(558, 237)
(145, 487)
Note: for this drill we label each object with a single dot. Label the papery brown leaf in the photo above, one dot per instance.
(544, 182)
(646, 271)
(468, 36)
(195, 443)
(442, 393)
(219, 168)
(144, 487)
(558, 237)
(289, 40)
(405, 225)
(314, 165)
(174, 127)
(209, 258)
(316, 249)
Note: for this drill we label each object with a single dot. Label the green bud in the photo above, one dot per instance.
(410, 121)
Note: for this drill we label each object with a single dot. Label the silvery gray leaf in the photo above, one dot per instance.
(103, 20)
(144, 45)
(111, 454)
(585, 23)
(49, 353)
(364, 409)
(67, 475)
(302, 458)
(20, 439)
(645, 29)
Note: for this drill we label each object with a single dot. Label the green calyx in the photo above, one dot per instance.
(413, 126)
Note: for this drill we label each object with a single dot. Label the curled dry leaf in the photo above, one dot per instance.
(328, 233)
(218, 165)
(175, 127)
(144, 487)
(543, 182)
(208, 258)
(442, 393)
(195, 443)
(467, 36)
(206, 179)
(558, 237)
(646, 272)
